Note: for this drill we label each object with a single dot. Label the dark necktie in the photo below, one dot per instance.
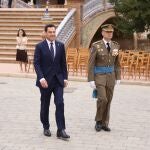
(52, 50)
(108, 47)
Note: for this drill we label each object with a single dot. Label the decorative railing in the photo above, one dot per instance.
(91, 7)
(15, 3)
(87, 1)
(4, 3)
(21, 4)
(67, 27)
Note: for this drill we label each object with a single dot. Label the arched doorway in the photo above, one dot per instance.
(125, 43)
(92, 26)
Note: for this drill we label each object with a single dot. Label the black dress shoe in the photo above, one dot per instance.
(62, 134)
(98, 126)
(106, 128)
(47, 132)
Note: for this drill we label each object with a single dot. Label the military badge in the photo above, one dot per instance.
(98, 46)
(114, 52)
(100, 50)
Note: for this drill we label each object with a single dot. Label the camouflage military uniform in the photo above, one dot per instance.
(104, 82)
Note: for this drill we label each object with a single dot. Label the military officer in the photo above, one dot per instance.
(103, 73)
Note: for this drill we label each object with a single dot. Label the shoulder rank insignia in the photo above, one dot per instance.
(115, 42)
(97, 46)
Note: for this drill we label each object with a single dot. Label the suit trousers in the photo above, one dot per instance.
(9, 3)
(56, 88)
(105, 94)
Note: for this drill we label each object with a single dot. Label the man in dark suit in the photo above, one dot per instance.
(51, 70)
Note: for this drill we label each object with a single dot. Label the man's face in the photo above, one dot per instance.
(51, 33)
(107, 35)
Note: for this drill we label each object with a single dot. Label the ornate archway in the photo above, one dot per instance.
(89, 29)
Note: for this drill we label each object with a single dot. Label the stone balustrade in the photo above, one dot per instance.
(66, 27)
(91, 7)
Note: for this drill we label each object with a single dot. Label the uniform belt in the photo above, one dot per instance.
(99, 69)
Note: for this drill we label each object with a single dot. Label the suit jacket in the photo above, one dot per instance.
(46, 67)
(101, 57)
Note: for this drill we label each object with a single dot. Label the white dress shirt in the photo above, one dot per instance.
(105, 42)
(54, 46)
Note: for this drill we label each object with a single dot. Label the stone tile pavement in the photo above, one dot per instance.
(20, 127)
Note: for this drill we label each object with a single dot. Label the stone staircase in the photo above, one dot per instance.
(30, 20)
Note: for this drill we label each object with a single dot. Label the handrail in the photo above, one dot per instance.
(4, 3)
(21, 4)
(91, 7)
(66, 27)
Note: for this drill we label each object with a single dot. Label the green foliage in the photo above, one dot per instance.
(132, 15)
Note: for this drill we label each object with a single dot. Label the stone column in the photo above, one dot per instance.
(78, 5)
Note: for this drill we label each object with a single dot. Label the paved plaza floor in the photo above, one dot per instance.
(20, 127)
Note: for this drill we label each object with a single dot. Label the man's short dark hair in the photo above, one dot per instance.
(49, 26)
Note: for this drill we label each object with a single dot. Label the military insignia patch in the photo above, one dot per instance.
(114, 52)
(98, 46)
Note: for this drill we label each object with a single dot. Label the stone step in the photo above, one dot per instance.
(32, 10)
(29, 20)
(30, 17)
(7, 49)
(33, 32)
(11, 43)
(28, 32)
(24, 21)
(8, 60)
(13, 51)
(24, 26)
(12, 47)
(14, 34)
(12, 54)
(8, 39)
(27, 28)
(7, 53)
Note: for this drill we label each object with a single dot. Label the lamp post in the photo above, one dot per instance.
(46, 19)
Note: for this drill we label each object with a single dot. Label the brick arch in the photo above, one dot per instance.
(91, 27)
